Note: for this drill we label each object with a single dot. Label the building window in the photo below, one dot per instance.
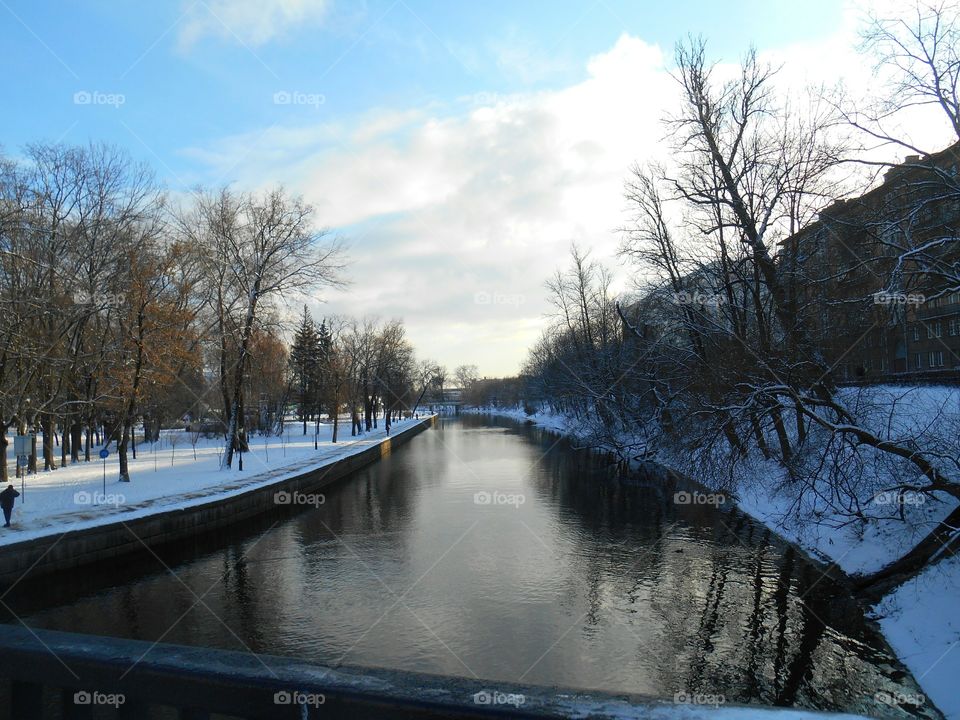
(916, 332)
(917, 361)
(936, 358)
(883, 364)
(935, 330)
(952, 327)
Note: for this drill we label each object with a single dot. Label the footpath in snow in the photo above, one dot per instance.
(919, 618)
(178, 471)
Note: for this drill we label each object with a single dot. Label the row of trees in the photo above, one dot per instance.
(121, 306)
(720, 354)
(367, 367)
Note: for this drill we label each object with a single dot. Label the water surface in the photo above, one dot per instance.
(494, 550)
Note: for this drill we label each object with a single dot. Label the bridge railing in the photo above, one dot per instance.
(57, 674)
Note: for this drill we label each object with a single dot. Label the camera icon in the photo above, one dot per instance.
(82, 697)
(482, 498)
(82, 97)
(482, 298)
(682, 498)
(282, 497)
(281, 97)
(482, 698)
(282, 697)
(82, 497)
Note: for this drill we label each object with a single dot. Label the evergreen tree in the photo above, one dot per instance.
(325, 347)
(305, 359)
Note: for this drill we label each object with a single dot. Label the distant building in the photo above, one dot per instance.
(872, 276)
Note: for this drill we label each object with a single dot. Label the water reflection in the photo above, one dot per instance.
(429, 561)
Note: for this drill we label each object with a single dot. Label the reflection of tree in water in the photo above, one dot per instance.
(739, 613)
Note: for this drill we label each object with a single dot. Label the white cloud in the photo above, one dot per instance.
(482, 200)
(440, 204)
(251, 22)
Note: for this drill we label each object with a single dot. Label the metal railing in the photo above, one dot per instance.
(53, 673)
(58, 674)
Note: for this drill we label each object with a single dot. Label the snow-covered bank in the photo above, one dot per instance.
(169, 475)
(919, 620)
(919, 617)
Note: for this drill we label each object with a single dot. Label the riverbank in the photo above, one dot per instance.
(917, 618)
(73, 518)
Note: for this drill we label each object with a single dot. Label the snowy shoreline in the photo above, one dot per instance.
(76, 498)
(917, 618)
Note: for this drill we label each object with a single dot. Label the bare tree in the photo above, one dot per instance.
(263, 247)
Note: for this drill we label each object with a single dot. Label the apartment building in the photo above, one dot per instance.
(875, 277)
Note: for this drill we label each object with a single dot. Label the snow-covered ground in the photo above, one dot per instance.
(170, 474)
(919, 618)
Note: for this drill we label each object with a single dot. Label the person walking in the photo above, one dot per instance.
(7, 498)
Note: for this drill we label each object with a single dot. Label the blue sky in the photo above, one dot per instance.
(458, 147)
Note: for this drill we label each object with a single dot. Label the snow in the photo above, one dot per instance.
(165, 476)
(859, 548)
(919, 620)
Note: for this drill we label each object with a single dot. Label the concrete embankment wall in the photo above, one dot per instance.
(76, 548)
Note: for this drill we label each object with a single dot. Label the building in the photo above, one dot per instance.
(877, 278)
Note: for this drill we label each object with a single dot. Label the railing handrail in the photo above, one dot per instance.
(200, 681)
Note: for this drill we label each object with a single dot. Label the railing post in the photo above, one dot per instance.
(26, 701)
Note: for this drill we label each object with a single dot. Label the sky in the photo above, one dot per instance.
(459, 149)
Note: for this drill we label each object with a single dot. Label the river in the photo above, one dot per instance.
(491, 549)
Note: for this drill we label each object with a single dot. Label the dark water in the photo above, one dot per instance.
(586, 583)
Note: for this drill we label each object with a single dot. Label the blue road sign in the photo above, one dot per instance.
(104, 453)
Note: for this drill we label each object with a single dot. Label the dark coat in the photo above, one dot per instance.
(7, 497)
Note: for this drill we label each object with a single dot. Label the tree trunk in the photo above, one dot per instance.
(785, 450)
(758, 434)
(238, 378)
(941, 542)
(5, 471)
(32, 461)
(46, 426)
(65, 440)
(122, 453)
(76, 439)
